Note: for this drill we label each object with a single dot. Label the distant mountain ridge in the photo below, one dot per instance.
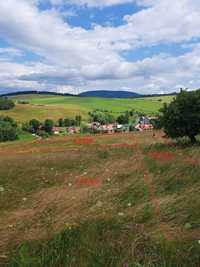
(110, 94)
(96, 93)
(35, 92)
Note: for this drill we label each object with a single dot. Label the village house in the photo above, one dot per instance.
(143, 124)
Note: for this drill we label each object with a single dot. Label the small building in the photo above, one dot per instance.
(73, 130)
(143, 124)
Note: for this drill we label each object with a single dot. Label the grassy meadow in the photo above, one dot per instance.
(123, 200)
(55, 107)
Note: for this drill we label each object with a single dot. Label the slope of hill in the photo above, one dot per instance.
(104, 201)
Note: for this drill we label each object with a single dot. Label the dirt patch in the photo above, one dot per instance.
(87, 182)
(121, 145)
(161, 156)
(83, 141)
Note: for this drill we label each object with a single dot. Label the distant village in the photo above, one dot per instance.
(142, 123)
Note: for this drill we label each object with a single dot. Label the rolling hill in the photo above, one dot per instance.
(42, 106)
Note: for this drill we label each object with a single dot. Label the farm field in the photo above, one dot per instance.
(54, 107)
(122, 200)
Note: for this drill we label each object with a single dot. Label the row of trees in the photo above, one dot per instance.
(45, 128)
(36, 127)
(6, 103)
(67, 122)
(105, 117)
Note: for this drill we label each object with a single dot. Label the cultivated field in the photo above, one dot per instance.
(100, 201)
(55, 107)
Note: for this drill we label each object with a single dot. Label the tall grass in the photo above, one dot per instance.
(104, 243)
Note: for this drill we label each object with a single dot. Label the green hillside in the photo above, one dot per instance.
(54, 107)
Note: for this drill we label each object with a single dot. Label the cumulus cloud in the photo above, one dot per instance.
(73, 57)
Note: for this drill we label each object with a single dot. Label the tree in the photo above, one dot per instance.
(101, 116)
(67, 122)
(6, 103)
(123, 119)
(78, 120)
(35, 125)
(8, 129)
(182, 116)
(48, 126)
(61, 122)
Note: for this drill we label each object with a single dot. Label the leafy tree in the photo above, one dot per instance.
(131, 112)
(48, 126)
(182, 116)
(8, 129)
(61, 122)
(103, 117)
(123, 119)
(27, 127)
(34, 125)
(67, 122)
(6, 103)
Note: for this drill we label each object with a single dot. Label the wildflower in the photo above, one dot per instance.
(199, 242)
(69, 184)
(121, 214)
(129, 204)
(108, 180)
(24, 198)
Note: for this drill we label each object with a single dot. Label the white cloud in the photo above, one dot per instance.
(91, 3)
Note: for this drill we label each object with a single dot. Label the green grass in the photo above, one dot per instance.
(54, 107)
(142, 212)
(103, 243)
(185, 209)
(133, 194)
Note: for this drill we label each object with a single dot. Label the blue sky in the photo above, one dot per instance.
(146, 46)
